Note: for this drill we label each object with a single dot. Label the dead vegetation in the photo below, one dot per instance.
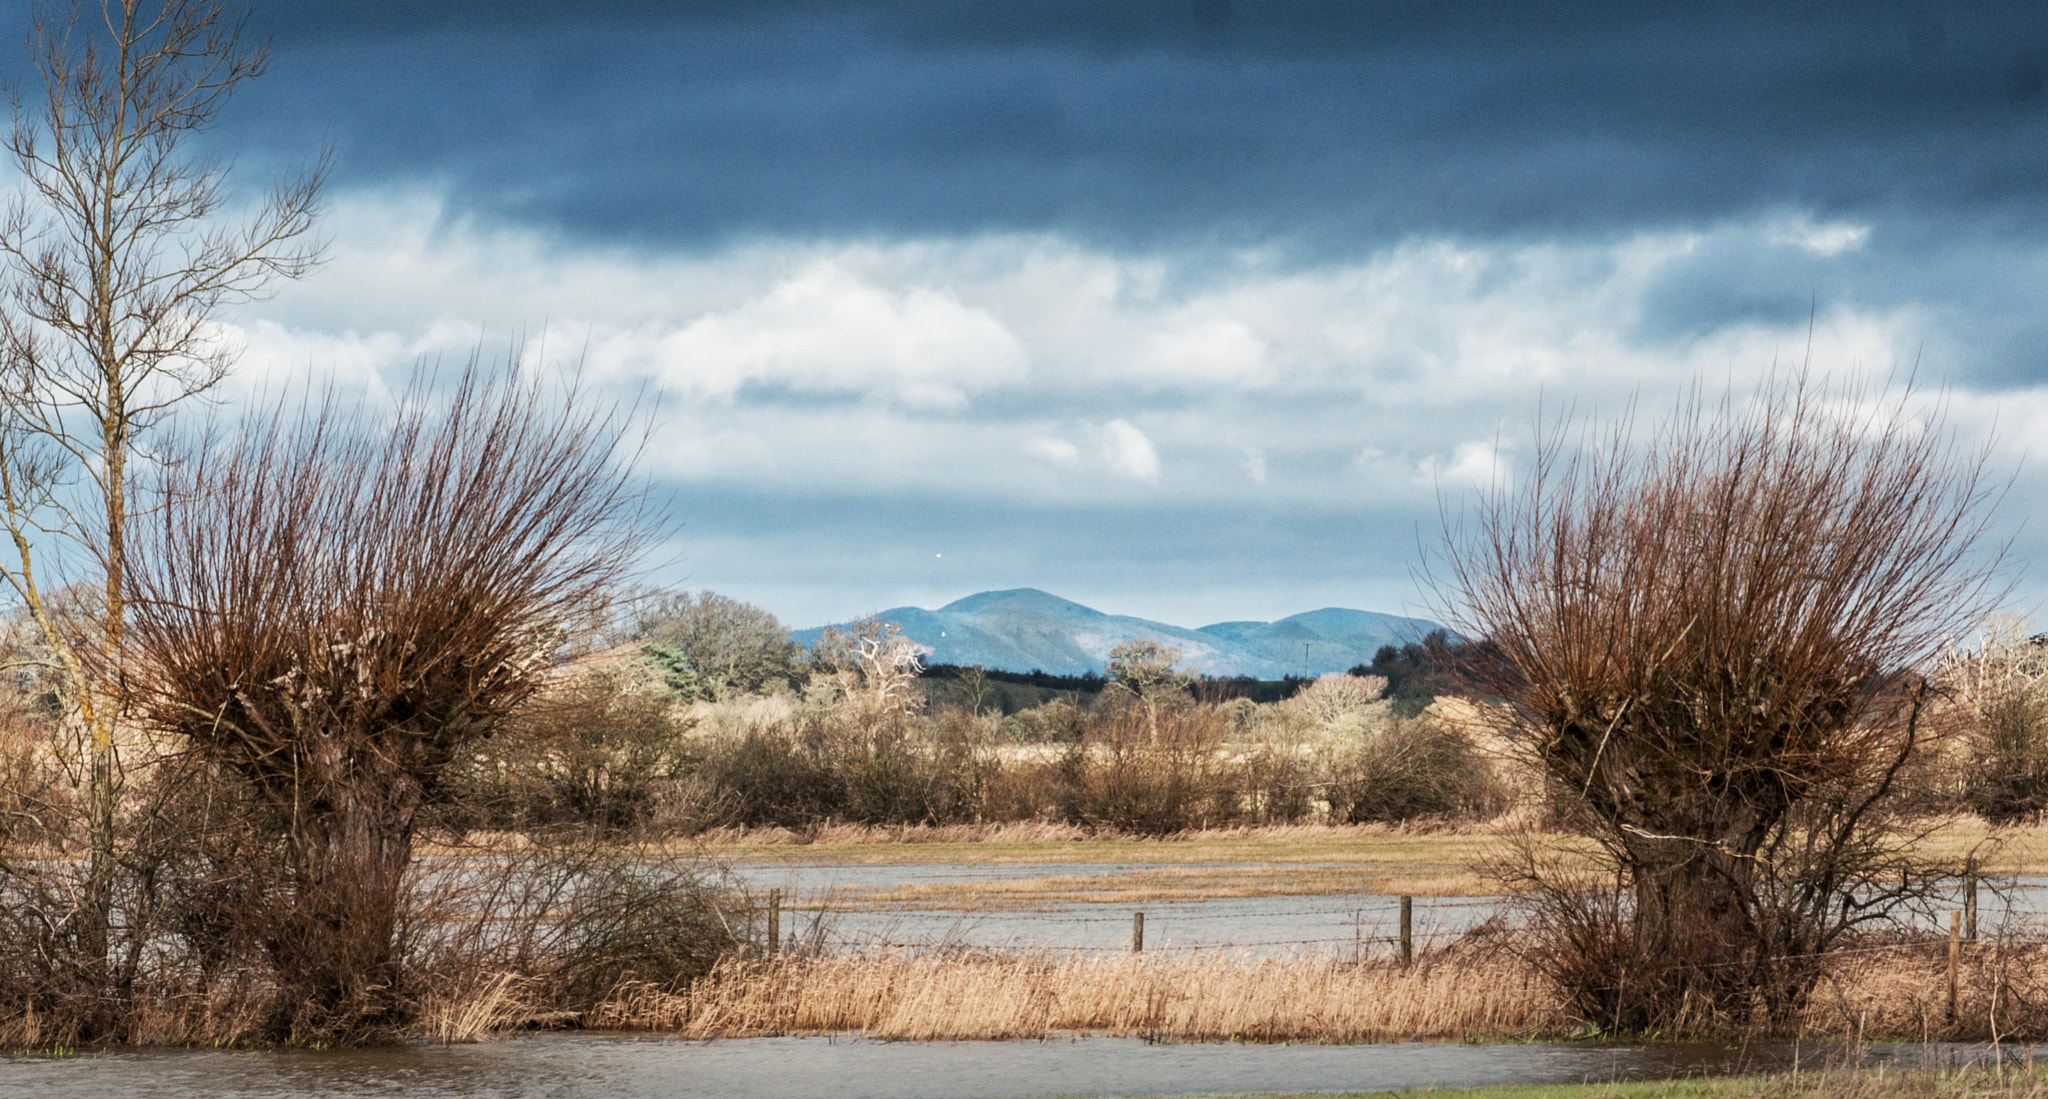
(1191, 998)
(1474, 989)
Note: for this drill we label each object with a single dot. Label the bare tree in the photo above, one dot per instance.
(114, 260)
(1151, 672)
(1712, 643)
(875, 670)
(2001, 691)
(335, 607)
(712, 644)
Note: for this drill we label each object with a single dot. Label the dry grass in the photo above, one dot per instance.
(1142, 885)
(1279, 860)
(229, 1013)
(1901, 993)
(1271, 861)
(1372, 858)
(476, 1006)
(2009, 851)
(1466, 991)
(1188, 997)
(1462, 992)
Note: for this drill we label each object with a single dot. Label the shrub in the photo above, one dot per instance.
(764, 777)
(599, 750)
(2001, 691)
(1406, 768)
(1151, 765)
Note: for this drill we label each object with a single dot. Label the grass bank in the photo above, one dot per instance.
(2011, 1082)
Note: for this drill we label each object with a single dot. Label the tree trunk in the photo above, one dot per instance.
(335, 943)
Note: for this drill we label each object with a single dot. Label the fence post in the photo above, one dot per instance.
(1137, 932)
(1955, 959)
(1970, 903)
(1407, 932)
(774, 921)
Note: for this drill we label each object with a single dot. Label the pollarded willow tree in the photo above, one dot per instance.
(1711, 637)
(333, 605)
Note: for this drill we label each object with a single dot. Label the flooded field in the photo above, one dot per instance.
(819, 1068)
(973, 905)
(1087, 907)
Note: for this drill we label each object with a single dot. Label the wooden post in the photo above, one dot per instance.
(1970, 903)
(1955, 959)
(774, 921)
(1407, 932)
(1137, 932)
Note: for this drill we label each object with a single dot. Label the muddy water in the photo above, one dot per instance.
(803, 1068)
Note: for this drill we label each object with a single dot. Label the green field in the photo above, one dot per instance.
(2026, 1081)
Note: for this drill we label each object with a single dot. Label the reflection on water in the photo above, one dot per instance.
(800, 1068)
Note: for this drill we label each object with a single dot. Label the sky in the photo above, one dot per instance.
(1195, 310)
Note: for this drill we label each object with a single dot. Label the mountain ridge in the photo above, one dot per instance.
(1026, 629)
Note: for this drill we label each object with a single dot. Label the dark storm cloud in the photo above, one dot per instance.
(1325, 125)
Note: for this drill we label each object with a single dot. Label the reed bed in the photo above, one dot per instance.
(1466, 991)
(1195, 998)
(1459, 993)
(232, 1011)
(1901, 992)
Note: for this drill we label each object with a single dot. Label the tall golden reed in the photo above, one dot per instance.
(1192, 997)
(1893, 992)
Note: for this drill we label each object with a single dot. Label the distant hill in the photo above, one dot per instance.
(1025, 629)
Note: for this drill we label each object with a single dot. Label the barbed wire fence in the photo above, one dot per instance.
(1367, 917)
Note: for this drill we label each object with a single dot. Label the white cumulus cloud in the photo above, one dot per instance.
(1128, 452)
(827, 330)
(1057, 451)
(1479, 463)
(1021, 365)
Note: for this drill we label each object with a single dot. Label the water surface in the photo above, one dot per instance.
(1344, 924)
(821, 1068)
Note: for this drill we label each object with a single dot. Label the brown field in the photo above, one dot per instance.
(1153, 884)
(1290, 860)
